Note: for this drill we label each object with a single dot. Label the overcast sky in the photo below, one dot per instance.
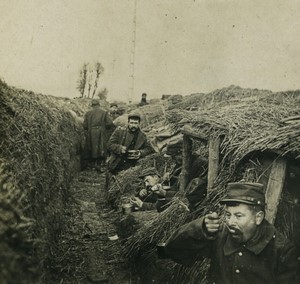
(182, 46)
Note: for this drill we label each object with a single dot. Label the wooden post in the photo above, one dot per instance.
(213, 161)
(186, 162)
(274, 188)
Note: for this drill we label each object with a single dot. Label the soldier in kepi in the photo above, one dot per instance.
(154, 195)
(127, 145)
(243, 247)
(97, 123)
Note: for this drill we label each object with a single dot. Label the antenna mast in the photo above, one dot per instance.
(132, 55)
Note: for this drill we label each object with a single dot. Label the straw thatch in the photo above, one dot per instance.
(251, 123)
(39, 149)
(247, 120)
(151, 114)
(155, 230)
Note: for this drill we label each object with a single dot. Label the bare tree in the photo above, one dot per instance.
(98, 71)
(82, 79)
(88, 81)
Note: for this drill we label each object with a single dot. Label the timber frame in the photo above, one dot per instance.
(275, 182)
(188, 135)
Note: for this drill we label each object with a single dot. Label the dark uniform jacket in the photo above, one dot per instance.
(160, 203)
(267, 258)
(96, 123)
(123, 137)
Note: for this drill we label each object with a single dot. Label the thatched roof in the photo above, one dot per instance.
(250, 120)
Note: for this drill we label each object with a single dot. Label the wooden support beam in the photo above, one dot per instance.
(186, 162)
(213, 161)
(274, 188)
(188, 131)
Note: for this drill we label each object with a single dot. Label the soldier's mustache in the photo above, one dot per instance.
(234, 230)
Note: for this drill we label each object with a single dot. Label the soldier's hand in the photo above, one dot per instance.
(138, 154)
(136, 202)
(212, 222)
(123, 149)
(166, 177)
(158, 190)
(143, 193)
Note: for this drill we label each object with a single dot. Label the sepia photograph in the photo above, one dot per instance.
(150, 141)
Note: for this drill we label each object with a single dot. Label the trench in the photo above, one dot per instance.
(89, 247)
(56, 225)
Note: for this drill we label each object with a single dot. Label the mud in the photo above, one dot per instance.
(89, 247)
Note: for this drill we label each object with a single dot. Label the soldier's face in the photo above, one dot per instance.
(151, 180)
(113, 109)
(242, 222)
(133, 124)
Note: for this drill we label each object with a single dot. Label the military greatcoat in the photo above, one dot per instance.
(96, 123)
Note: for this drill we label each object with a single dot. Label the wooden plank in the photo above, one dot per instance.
(188, 131)
(274, 188)
(186, 162)
(194, 135)
(213, 161)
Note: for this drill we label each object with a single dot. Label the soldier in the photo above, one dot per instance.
(154, 195)
(243, 248)
(128, 145)
(114, 111)
(96, 123)
(143, 100)
(195, 191)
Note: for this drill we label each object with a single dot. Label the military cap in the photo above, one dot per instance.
(149, 172)
(114, 104)
(95, 102)
(134, 116)
(247, 193)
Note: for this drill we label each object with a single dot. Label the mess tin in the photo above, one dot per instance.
(127, 208)
(160, 249)
(132, 154)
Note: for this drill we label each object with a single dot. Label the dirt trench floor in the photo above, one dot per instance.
(89, 251)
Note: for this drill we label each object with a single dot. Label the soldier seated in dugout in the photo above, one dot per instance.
(154, 195)
(160, 190)
(196, 189)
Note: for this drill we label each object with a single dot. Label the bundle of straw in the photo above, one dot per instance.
(143, 242)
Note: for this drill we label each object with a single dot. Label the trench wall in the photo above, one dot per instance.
(40, 146)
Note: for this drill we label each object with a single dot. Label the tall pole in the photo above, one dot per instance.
(132, 55)
(113, 77)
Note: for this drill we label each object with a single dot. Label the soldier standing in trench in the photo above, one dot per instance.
(96, 123)
(243, 247)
